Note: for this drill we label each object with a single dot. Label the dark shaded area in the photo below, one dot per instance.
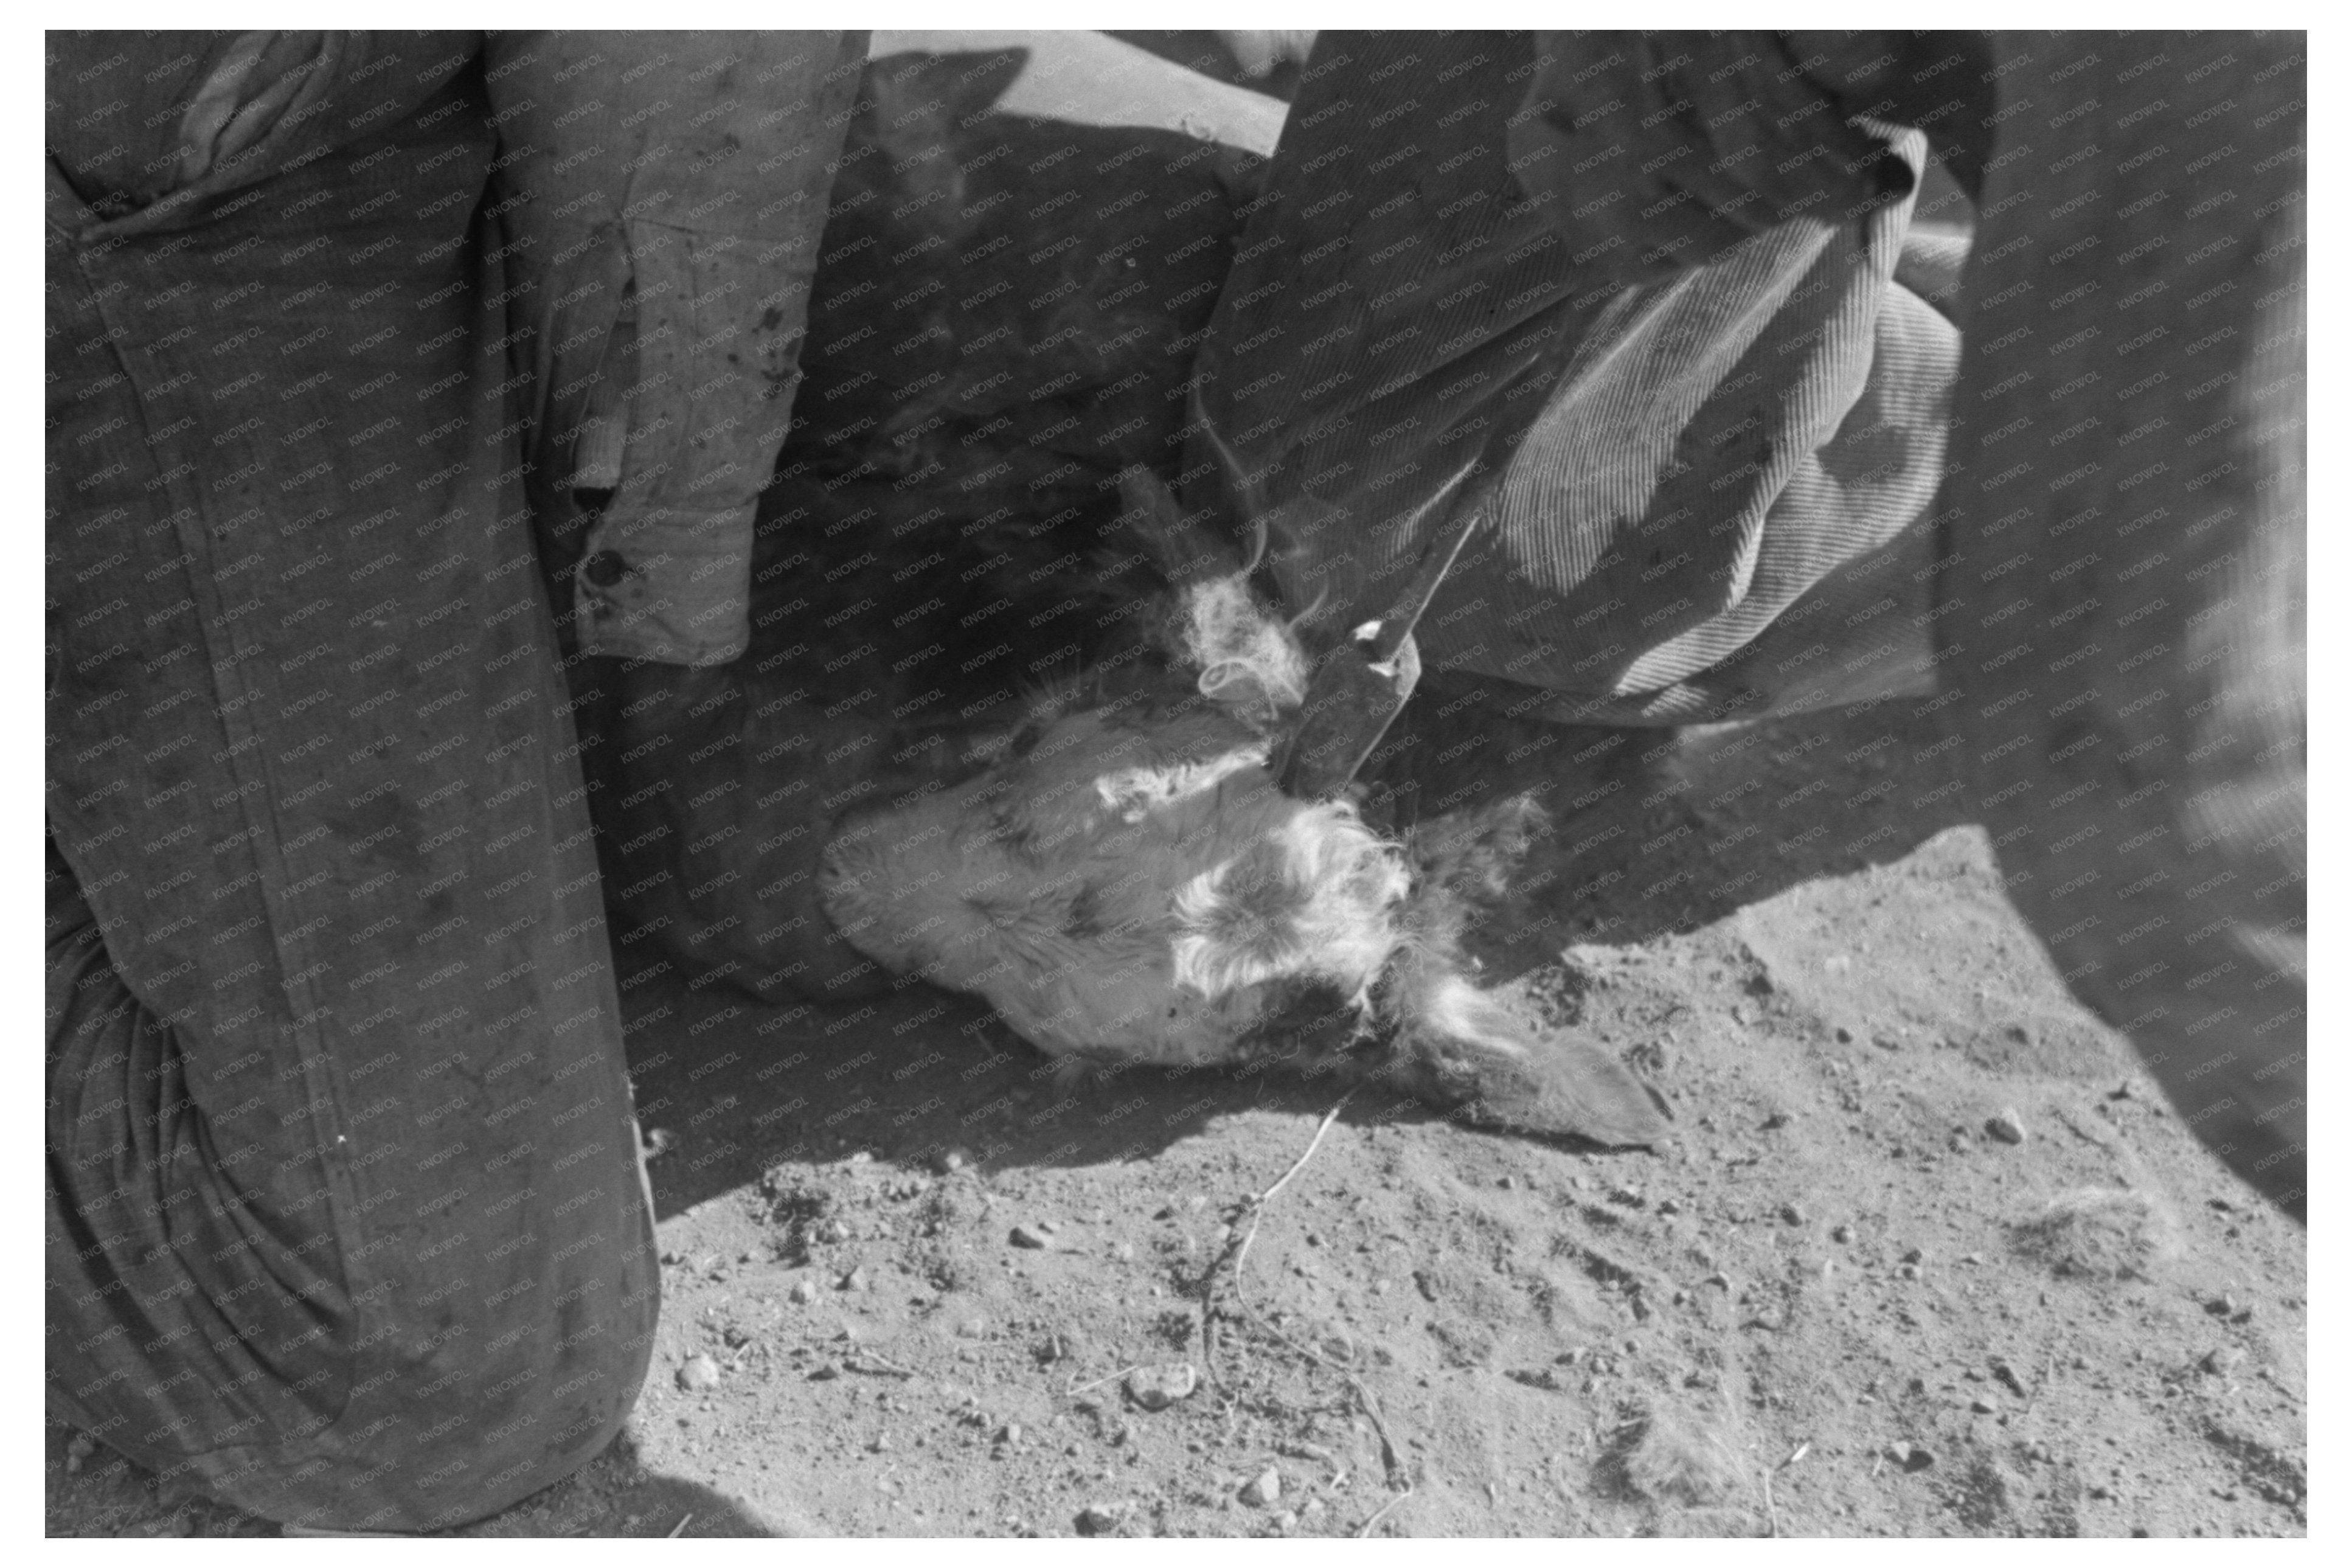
(100, 1494)
(1001, 321)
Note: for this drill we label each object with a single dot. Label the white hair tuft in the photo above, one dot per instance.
(1248, 659)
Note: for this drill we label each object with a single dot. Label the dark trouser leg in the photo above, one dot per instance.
(206, 1334)
(345, 1220)
(2122, 586)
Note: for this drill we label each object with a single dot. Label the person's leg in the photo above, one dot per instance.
(345, 1221)
(2122, 596)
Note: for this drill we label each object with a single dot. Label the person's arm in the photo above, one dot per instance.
(662, 198)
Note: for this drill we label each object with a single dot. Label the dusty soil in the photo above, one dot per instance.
(1928, 1256)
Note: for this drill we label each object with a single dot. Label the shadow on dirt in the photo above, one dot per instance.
(93, 1491)
(1677, 832)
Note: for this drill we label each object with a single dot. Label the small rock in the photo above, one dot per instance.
(1719, 1279)
(2221, 1305)
(1032, 1238)
(1506, 1182)
(1981, 1405)
(1910, 1456)
(881, 1444)
(78, 1449)
(1841, 1233)
(834, 1231)
(949, 1160)
(671, 1254)
(1008, 1433)
(1669, 1206)
(1099, 1519)
(2007, 1127)
(972, 1328)
(857, 1279)
(1262, 1490)
(1915, 1255)
(823, 1372)
(1909, 1271)
(2222, 1358)
(1123, 1252)
(1283, 1523)
(1792, 1215)
(1158, 1387)
(699, 1375)
(802, 1291)
(1844, 1036)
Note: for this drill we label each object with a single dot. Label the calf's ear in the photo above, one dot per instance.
(1184, 548)
(1473, 1051)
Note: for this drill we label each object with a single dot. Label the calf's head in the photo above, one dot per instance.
(1127, 883)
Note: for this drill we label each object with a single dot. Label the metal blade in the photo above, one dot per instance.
(1362, 685)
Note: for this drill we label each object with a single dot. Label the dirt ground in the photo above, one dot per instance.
(1926, 1256)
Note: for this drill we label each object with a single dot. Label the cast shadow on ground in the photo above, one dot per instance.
(96, 1493)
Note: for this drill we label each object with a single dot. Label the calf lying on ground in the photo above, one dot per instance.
(1125, 883)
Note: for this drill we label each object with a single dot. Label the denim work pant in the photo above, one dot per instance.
(345, 1216)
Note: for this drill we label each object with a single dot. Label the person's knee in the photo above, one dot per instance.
(384, 1436)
